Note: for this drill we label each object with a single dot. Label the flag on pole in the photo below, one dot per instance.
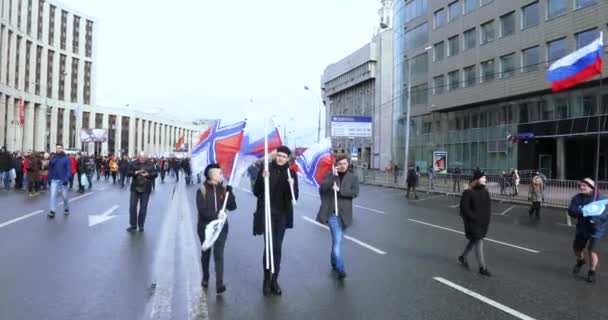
(577, 67)
(316, 162)
(179, 143)
(252, 150)
(218, 145)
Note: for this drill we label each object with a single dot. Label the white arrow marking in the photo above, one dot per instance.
(106, 216)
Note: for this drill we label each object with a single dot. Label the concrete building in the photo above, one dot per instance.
(47, 81)
(361, 85)
(478, 75)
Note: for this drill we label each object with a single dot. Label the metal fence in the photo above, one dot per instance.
(556, 193)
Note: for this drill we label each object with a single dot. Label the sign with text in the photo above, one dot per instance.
(351, 126)
(93, 135)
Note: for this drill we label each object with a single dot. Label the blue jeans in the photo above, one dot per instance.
(337, 240)
(6, 178)
(58, 184)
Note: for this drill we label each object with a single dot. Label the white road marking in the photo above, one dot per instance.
(106, 216)
(565, 225)
(487, 239)
(481, 298)
(429, 198)
(361, 243)
(508, 209)
(80, 197)
(20, 218)
(370, 209)
(455, 206)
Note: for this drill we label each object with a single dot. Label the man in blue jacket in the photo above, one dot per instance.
(589, 230)
(60, 170)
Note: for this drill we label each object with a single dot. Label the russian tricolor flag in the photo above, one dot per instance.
(580, 65)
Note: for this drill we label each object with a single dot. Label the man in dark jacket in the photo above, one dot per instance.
(346, 185)
(6, 164)
(589, 230)
(281, 211)
(143, 174)
(18, 164)
(60, 173)
(411, 181)
(475, 210)
(209, 201)
(123, 167)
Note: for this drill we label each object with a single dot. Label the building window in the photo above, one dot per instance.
(583, 3)
(420, 65)
(40, 19)
(62, 74)
(557, 49)
(38, 69)
(487, 71)
(28, 54)
(470, 76)
(454, 10)
(469, 6)
(64, 29)
(484, 2)
(453, 46)
(414, 9)
(586, 37)
(507, 65)
(531, 59)
(88, 45)
(546, 110)
(507, 24)
(470, 39)
(589, 104)
(530, 15)
(487, 32)
(561, 108)
(49, 74)
(51, 25)
(417, 37)
(17, 56)
(556, 8)
(420, 94)
(439, 18)
(439, 51)
(438, 84)
(87, 82)
(8, 50)
(75, 34)
(453, 80)
(29, 17)
(74, 84)
(19, 14)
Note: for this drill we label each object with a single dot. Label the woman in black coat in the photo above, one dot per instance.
(475, 210)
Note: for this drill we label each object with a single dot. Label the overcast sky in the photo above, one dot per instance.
(206, 59)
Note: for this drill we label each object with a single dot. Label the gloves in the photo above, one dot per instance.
(229, 189)
(221, 214)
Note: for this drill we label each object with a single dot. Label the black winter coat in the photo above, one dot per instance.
(280, 197)
(476, 210)
(208, 206)
(6, 161)
(140, 183)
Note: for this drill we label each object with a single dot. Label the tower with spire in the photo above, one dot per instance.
(386, 14)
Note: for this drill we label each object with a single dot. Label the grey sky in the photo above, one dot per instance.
(205, 59)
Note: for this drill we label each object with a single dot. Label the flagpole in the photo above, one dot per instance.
(268, 226)
(599, 123)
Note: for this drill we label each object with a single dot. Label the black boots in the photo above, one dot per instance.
(266, 286)
(591, 276)
(577, 267)
(463, 261)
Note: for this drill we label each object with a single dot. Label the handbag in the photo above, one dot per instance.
(84, 181)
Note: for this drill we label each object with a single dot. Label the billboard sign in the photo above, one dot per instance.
(351, 126)
(440, 161)
(93, 135)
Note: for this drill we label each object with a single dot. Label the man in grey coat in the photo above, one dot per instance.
(346, 185)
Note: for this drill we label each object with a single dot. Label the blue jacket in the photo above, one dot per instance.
(594, 227)
(60, 168)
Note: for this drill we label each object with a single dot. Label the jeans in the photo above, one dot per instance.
(337, 241)
(58, 184)
(135, 218)
(6, 178)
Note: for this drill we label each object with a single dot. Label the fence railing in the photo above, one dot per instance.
(556, 193)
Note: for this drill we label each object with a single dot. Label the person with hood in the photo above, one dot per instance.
(60, 172)
(143, 173)
(475, 210)
(346, 184)
(281, 211)
(18, 165)
(412, 182)
(209, 201)
(536, 196)
(589, 230)
(6, 165)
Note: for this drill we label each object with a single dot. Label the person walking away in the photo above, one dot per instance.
(187, 170)
(33, 165)
(6, 165)
(143, 173)
(457, 177)
(81, 170)
(346, 184)
(98, 166)
(281, 211)
(209, 201)
(106, 168)
(536, 196)
(475, 210)
(123, 167)
(74, 164)
(515, 182)
(412, 182)
(431, 178)
(18, 165)
(60, 171)
(163, 169)
(589, 230)
(44, 171)
(113, 164)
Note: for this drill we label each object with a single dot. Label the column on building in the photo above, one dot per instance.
(53, 133)
(132, 148)
(78, 126)
(171, 136)
(3, 124)
(156, 136)
(40, 128)
(105, 124)
(146, 136)
(91, 146)
(162, 139)
(560, 152)
(118, 136)
(28, 126)
(66, 128)
(10, 126)
(140, 134)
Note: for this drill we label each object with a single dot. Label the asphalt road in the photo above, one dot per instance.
(400, 260)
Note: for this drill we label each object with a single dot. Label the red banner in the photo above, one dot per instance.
(179, 143)
(21, 112)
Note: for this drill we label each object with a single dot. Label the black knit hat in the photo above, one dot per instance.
(285, 150)
(477, 175)
(209, 167)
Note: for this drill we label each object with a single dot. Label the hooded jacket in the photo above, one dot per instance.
(60, 167)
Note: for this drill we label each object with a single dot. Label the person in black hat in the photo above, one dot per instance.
(475, 210)
(209, 201)
(281, 210)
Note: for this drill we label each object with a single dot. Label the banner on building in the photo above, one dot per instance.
(21, 112)
(351, 127)
(93, 135)
(440, 161)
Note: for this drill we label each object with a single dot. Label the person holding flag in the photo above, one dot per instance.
(590, 227)
(337, 192)
(209, 200)
(281, 183)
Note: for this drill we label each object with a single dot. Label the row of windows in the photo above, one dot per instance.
(51, 24)
(358, 72)
(455, 9)
(529, 60)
